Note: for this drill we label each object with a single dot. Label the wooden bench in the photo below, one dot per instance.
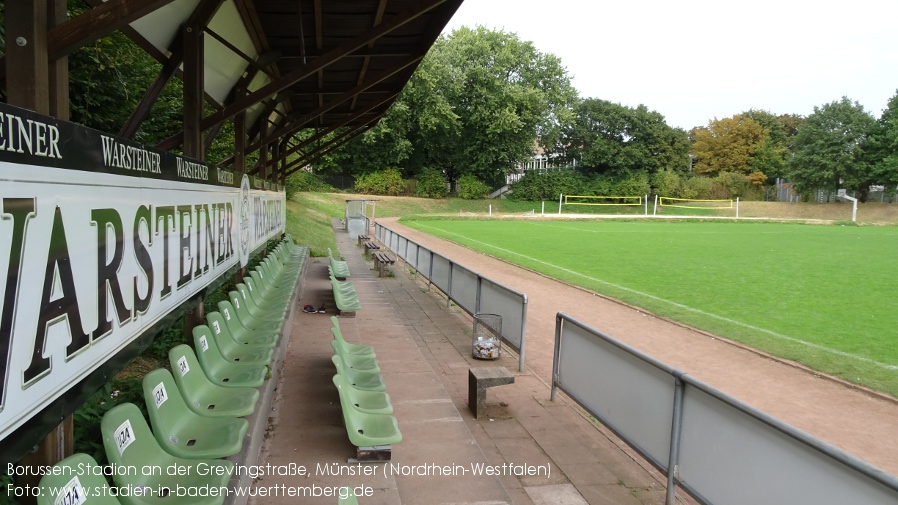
(370, 246)
(382, 259)
(479, 379)
(363, 238)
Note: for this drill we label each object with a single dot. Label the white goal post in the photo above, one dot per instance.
(690, 203)
(851, 199)
(603, 201)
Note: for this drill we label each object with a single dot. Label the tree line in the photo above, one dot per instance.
(482, 102)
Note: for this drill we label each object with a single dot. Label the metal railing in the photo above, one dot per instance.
(468, 289)
(721, 450)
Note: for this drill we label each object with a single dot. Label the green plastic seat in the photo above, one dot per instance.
(265, 306)
(263, 282)
(129, 443)
(338, 268)
(352, 349)
(345, 297)
(359, 363)
(221, 371)
(202, 395)
(280, 271)
(81, 471)
(366, 430)
(242, 335)
(181, 431)
(261, 292)
(239, 302)
(243, 319)
(369, 402)
(346, 497)
(364, 381)
(225, 344)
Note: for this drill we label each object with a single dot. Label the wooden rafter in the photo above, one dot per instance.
(319, 63)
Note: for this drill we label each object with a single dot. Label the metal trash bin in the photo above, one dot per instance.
(487, 336)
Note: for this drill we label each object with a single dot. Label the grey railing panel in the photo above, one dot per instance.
(464, 288)
(440, 272)
(497, 299)
(725, 452)
(401, 249)
(728, 457)
(411, 255)
(626, 393)
(468, 289)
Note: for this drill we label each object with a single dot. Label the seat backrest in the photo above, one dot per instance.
(345, 403)
(253, 286)
(68, 486)
(221, 331)
(186, 370)
(346, 497)
(207, 351)
(128, 440)
(338, 335)
(234, 317)
(238, 302)
(167, 409)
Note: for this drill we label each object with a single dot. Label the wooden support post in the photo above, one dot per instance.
(33, 82)
(54, 447)
(58, 71)
(193, 92)
(239, 137)
(27, 72)
(192, 319)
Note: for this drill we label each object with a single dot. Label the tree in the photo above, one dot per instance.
(730, 144)
(476, 105)
(612, 139)
(770, 158)
(882, 148)
(829, 150)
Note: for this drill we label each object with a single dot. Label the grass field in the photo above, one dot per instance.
(819, 295)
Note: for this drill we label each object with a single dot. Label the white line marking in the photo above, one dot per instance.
(678, 305)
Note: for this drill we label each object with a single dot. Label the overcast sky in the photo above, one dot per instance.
(694, 60)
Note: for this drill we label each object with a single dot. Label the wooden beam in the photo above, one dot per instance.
(318, 153)
(325, 60)
(202, 14)
(298, 123)
(98, 23)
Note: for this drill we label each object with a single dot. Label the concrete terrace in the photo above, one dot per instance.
(446, 455)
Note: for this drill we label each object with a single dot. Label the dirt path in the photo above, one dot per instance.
(862, 423)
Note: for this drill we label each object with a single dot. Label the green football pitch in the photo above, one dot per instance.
(820, 295)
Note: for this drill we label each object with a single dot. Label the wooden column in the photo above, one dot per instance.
(239, 156)
(27, 67)
(194, 147)
(33, 82)
(193, 92)
(58, 71)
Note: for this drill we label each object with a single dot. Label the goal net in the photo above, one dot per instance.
(686, 203)
(609, 201)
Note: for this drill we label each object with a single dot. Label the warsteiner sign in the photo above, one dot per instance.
(100, 238)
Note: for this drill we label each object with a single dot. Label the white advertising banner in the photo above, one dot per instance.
(100, 238)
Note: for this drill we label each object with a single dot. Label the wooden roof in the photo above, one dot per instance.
(283, 65)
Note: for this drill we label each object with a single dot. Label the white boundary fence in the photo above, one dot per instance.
(722, 451)
(471, 291)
